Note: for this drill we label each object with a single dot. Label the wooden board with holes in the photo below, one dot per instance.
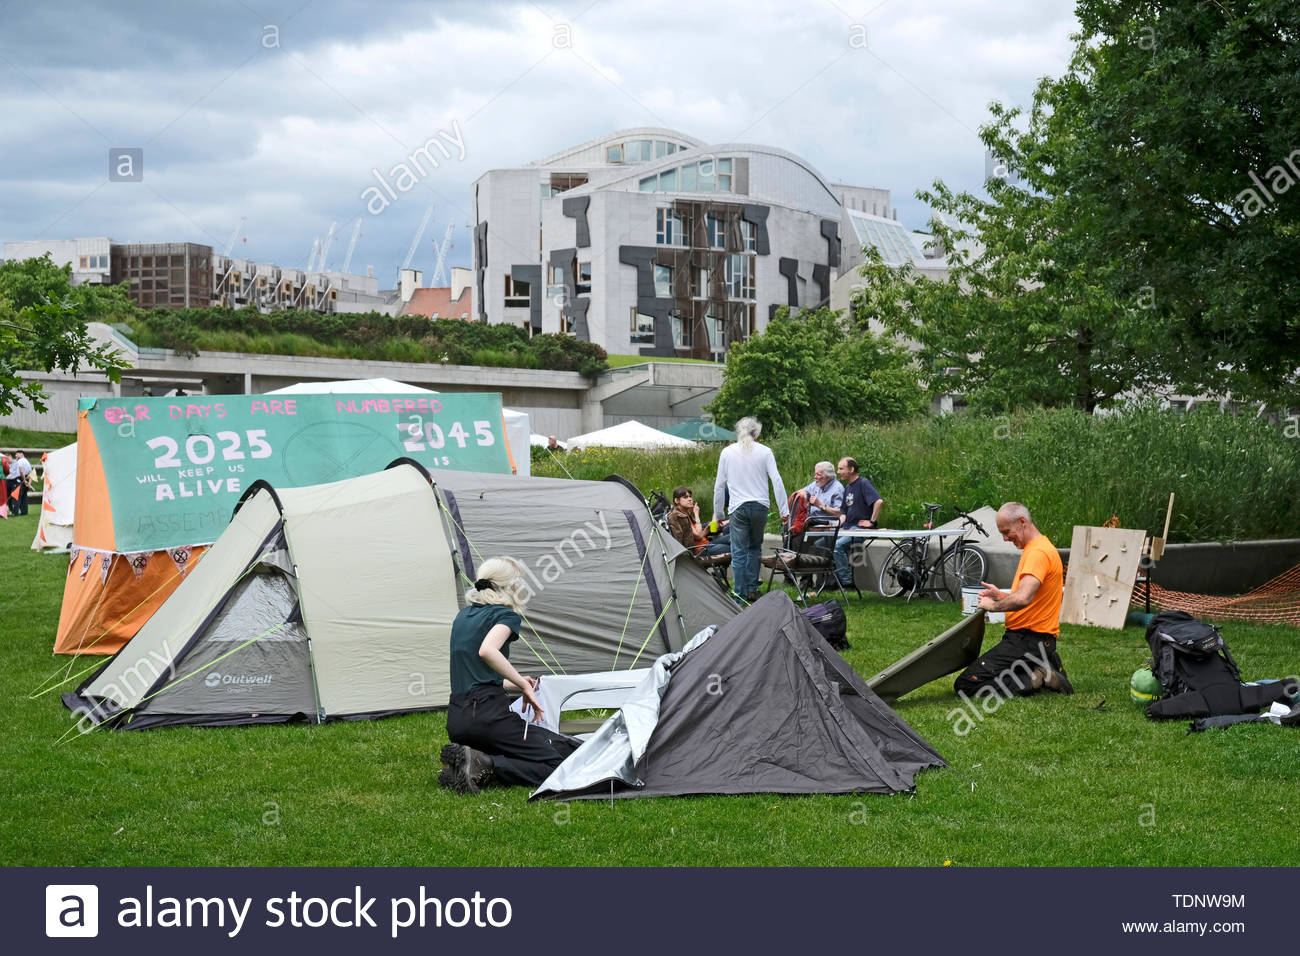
(1103, 568)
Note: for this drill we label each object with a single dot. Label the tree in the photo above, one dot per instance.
(814, 369)
(43, 326)
(1136, 250)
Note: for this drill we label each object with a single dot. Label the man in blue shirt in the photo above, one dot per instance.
(825, 495)
(862, 504)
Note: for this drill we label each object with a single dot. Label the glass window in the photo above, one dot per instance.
(614, 154)
(672, 148)
(643, 327)
(701, 290)
(724, 182)
(147, 262)
(740, 277)
(748, 235)
(649, 184)
(517, 294)
(717, 232)
(688, 177)
(717, 333)
(663, 281)
(724, 165)
(83, 262)
(707, 182)
(661, 149)
(668, 181)
(671, 228)
(584, 278)
(683, 337)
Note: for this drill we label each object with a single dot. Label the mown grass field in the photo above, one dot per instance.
(1080, 781)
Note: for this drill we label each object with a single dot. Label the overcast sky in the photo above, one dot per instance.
(279, 110)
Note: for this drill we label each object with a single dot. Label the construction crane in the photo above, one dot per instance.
(311, 258)
(233, 236)
(440, 266)
(352, 245)
(419, 234)
(325, 247)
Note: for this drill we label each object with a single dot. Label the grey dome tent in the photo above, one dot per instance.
(335, 601)
(764, 705)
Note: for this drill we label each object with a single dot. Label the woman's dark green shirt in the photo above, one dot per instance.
(468, 670)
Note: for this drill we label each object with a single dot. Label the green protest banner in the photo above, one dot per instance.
(173, 468)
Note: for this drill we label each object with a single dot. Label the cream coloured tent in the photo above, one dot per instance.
(335, 601)
(58, 500)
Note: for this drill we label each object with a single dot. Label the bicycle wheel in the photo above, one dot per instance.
(960, 568)
(898, 573)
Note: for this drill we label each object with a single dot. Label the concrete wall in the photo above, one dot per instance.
(508, 201)
(63, 391)
(1214, 567)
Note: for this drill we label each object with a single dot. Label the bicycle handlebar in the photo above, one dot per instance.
(970, 520)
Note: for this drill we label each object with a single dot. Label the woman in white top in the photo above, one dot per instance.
(744, 470)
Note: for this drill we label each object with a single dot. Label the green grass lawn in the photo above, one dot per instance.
(1079, 781)
(15, 438)
(620, 361)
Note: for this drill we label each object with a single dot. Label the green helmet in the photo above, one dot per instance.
(1143, 687)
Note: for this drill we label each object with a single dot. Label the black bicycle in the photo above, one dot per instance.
(909, 567)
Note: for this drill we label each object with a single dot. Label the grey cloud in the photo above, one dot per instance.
(288, 140)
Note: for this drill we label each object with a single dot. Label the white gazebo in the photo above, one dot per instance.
(629, 435)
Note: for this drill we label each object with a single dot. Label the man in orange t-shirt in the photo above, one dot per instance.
(1025, 661)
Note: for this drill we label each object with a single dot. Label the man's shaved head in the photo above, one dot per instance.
(1013, 510)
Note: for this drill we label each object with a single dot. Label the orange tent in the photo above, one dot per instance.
(108, 594)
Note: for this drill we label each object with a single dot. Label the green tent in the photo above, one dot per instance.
(701, 429)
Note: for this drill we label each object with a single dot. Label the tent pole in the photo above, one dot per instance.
(669, 567)
(315, 689)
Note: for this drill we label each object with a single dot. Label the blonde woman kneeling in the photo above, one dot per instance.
(489, 742)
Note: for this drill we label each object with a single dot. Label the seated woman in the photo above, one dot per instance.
(684, 522)
(490, 742)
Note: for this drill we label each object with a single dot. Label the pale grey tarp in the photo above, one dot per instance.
(611, 590)
(763, 706)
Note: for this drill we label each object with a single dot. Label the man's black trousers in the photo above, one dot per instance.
(481, 718)
(1009, 666)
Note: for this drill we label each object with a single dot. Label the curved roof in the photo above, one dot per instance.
(637, 171)
(619, 136)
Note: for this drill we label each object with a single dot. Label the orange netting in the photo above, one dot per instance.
(1275, 602)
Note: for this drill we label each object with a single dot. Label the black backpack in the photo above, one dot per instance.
(1188, 655)
(828, 618)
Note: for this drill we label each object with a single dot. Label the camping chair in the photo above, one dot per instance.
(807, 560)
(718, 566)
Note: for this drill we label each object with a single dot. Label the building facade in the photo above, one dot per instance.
(648, 241)
(189, 275)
